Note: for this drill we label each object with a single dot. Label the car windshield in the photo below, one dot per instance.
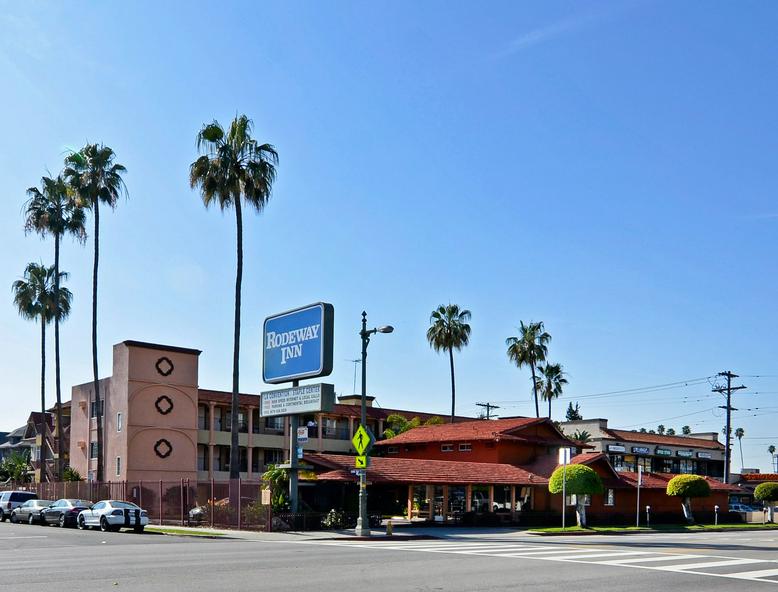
(77, 502)
(125, 505)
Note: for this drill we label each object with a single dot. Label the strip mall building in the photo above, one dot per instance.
(159, 425)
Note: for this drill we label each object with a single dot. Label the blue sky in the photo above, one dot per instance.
(607, 168)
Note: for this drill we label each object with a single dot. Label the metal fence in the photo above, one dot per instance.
(234, 504)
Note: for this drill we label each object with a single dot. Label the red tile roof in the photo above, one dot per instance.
(481, 429)
(411, 470)
(759, 477)
(683, 441)
(660, 480)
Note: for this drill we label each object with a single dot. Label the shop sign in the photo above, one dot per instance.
(704, 455)
(616, 448)
(685, 453)
(298, 344)
(663, 452)
(641, 450)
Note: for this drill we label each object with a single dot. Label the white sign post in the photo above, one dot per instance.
(564, 459)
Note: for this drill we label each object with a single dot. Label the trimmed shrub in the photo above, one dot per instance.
(767, 492)
(688, 486)
(579, 481)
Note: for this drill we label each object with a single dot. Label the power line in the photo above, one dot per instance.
(729, 408)
(489, 407)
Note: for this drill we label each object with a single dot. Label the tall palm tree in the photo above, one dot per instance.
(771, 450)
(529, 348)
(94, 178)
(234, 169)
(51, 210)
(550, 383)
(449, 331)
(739, 433)
(36, 300)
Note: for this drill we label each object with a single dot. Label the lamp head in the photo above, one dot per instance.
(385, 329)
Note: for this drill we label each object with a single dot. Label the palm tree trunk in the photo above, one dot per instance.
(60, 451)
(535, 389)
(453, 385)
(549, 406)
(234, 450)
(742, 464)
(42, 427)
(96, 384)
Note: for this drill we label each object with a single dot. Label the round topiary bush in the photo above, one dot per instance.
(688, 487)
(580, 481)
(766, 492)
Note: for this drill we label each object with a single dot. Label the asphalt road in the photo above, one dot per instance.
(49, 558)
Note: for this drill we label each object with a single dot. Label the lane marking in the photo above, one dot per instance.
(706, 564)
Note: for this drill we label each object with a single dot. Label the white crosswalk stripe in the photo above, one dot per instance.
(695, 564)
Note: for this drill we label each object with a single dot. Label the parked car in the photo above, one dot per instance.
(10, 500)
(63, 512)
(29, 511)
(111, 515)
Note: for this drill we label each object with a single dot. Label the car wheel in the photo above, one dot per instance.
(104, 526)
(61, 521)
(13, 518)
(31, 519)
(138, 529)
(82, 523)
(2, 517)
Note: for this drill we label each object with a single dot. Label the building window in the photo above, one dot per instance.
(119, 423)
(645, 463)
(93, 408)
(202, 457)
(447, 448)
(93, 450)
(274, 424)
(273, 456)
(664, 465)
(392, 449)
(572, 500)
(202, 418)
(243, 421)
(687, 466)
(118, 466)
(610, 498)
(617, 461)
(466, 447)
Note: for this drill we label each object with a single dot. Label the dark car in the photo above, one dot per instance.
(10, 500)
(29, 511)
(63, 512)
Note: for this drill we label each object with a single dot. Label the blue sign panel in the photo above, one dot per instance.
(298, 344)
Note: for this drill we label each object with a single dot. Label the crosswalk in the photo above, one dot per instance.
(738, 568)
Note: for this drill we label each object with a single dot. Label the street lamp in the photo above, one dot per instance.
(363, 522)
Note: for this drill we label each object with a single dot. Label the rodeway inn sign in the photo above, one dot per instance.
(298, 344)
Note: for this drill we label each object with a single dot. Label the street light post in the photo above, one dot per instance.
(363, 521)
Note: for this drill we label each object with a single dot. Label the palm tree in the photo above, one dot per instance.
(529, 348)
(550, 383)
(449, 331)
(52, 210)
(35, 299)
(686, 430)
(234, 168)
(739, 433)
(94, 178)
(771, 450)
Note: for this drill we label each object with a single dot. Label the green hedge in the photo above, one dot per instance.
(767, 492)
(581, 480)
(688, 486)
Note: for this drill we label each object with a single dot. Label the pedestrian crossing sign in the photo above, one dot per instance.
(362, 440)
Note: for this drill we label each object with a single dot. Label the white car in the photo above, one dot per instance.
(111, 515)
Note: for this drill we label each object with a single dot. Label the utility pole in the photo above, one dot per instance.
(489, 408)
(729, 389)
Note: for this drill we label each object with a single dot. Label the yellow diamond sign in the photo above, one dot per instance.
(362, 440)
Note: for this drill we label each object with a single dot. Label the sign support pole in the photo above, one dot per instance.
(363, 521)
(637, 510)
(294, 463)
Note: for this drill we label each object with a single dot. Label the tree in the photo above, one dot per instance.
(529, 348)
(94, 177)
(550, 383)
(399, 423)
(670, 432)
(573, 413)
(771, 450)
(739, 433)
(660, 429)
(15, 468)
(643, 430)
(449, 331)
(52, 210)
(686, 430)
(581, 436)
(767, 492)
(233, 171)
(580, 481)
(688, 487)
(35, 300)
(277, 479)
